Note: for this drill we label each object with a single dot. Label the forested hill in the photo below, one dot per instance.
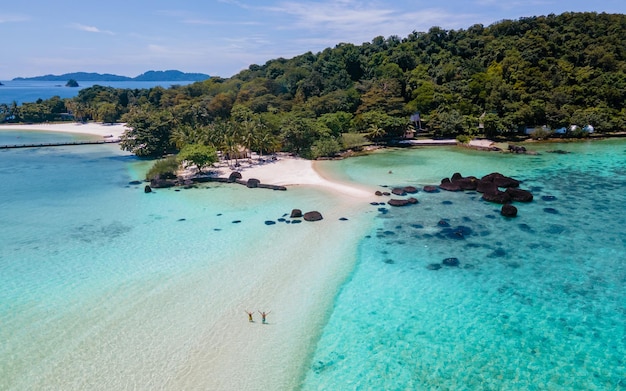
(555, 70)
(171, 75)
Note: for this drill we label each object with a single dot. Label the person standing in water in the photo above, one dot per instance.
(264, 316)
(249, 316)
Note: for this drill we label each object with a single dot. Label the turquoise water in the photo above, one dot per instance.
(105, 287)
(538, 302)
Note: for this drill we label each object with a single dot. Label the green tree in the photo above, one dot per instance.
(198, 155)
(149, 133)
(325, 147)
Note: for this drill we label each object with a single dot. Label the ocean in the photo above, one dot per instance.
(27, 91)
(537, 302)
(105, 287)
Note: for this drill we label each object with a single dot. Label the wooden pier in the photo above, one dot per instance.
(62, 144)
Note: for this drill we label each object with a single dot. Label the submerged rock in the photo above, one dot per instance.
(451, 262)
(508, 210)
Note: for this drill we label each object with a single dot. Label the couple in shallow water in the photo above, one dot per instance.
(263, 316)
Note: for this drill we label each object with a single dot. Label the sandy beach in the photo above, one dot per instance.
(111, 132)
(296, 280)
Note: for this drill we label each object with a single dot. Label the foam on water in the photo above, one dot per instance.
(537, 302)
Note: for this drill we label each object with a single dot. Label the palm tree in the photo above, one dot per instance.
(247, 131)
(183, 135)
(375, 132)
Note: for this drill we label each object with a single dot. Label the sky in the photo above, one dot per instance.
(223, 37)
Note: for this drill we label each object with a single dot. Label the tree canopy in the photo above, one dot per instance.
(554, 70)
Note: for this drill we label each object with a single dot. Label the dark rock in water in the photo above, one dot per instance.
(555, 229)
(234, 176)
(378, 193)
(386, 193)
(508, 210)
(499, 180)
(469, 183)
(374, 203)
(236, 221)
(410, 189)
(253, 183)
(551, 211)
(468, 266)
(517, 148)
(134, 183)
(343, 219)
(486, 187)
(281, 219)
(312, 216)
(456, 176)
(458, 233)
(431, 189)
(447, 202)
(295, 213)
(505, 182)
(160, 183)
(181, 219)
(269, 222)
(519, 195)
(398, 191)
(447, 185)
(498, 197)
(396, 202)
(147, 189)
(389, 261)
(443, 223)
(497, 253)
(451, 262)
(412, 200)
(383, 210)
(177, 190)
(296, 221)
(525, 227)
(548, 198)
(433, 266)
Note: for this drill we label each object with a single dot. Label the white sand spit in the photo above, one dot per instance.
(111, 132)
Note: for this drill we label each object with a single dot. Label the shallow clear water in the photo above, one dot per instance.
(105, 287)
(537, 302)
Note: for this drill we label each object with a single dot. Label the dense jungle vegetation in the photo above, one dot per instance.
(494, 81)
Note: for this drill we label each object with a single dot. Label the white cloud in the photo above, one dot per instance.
(350, 20)
(91, 29)
(13, 18)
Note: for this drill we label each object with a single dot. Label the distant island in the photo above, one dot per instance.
(170, 75)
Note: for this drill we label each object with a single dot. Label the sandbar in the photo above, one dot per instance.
(112, 132)
(296, 278)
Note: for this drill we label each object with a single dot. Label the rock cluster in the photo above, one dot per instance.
(490, 186)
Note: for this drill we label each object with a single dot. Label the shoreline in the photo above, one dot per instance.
(298, 281)
(110, 132)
